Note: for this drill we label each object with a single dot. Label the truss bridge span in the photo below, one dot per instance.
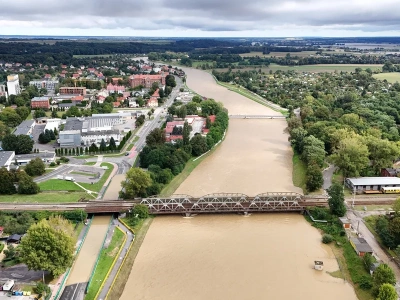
(231, 202)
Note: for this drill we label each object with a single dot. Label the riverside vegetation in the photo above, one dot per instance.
(349, 119)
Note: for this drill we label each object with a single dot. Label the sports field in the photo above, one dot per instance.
(390, 77)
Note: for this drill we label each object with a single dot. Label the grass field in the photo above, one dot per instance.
(299, 172)
(279, 54)
(96, 187)
(58, 185)
(55, 197)
(390, 77)
(106, 261)
(118, 286)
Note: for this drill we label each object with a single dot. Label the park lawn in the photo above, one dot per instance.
(390, 77)
(96, 187)
(299, 172)
(119, 283)
(106, 261)
(51, 197)
(58, 185)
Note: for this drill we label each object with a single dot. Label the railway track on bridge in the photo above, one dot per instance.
(212, 203)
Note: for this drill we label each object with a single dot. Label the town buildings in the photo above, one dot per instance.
(363, 184)
(40, 102)
(3, 91)
(119, 89)
(50, 84)
(65, 90)
(153, 101)
(147, 80)
(13, 85)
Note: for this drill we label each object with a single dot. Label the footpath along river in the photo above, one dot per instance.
(262, 256)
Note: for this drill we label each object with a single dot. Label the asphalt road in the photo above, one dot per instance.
(20, 273)
(74, 292)
(62, 169)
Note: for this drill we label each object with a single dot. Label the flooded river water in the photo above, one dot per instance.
(263, 256)
(86, 259)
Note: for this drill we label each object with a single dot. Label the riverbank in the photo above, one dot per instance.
(124, 272)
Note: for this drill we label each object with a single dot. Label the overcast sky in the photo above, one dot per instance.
(214, 18)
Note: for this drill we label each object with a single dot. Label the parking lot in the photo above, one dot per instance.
(89, 173)
(37, 130)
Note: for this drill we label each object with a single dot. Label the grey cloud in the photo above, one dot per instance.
(206, 15)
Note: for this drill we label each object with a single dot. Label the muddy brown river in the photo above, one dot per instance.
(262, 256)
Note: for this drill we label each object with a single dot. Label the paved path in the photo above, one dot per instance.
(99, 161)
(118, 263)
(328, 175)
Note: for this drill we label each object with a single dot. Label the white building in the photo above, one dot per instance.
(3, 90)
(52, 123)
(13, 85)
(48, 84)
(88, 138)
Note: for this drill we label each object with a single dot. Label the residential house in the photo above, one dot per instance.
(361, 246)
(115, 88)
(345, 222)
(133, 103)
(389, 172)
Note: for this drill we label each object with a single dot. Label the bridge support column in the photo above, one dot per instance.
(246, 213)
(187, 215)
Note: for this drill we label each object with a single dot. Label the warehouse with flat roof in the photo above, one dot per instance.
(372, 183)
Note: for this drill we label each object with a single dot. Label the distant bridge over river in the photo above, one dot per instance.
(255, 117)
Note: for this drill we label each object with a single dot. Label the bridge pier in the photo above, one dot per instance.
(187, 215)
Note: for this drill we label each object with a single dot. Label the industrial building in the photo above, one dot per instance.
(362, 184)
(40, 102)
(23, 159)
(86, 131)
(66, 90)
(13, 85)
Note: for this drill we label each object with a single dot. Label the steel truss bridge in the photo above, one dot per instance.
(227, 202)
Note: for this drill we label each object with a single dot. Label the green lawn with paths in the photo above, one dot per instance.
(299, 172)
(106, 260)
(96, 187)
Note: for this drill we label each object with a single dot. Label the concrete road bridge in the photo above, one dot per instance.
(256, 117)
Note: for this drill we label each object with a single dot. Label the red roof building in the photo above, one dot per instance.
(75, 75)
(147, 80)
(115, 88)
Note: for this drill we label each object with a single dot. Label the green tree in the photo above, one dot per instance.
(26, 185)
(54, 114)
(141, 211)
(368, 261)
(35, 167)
(24, 144)
(297, 136)
(4, 130)
(396, 206)
(155, 137)
(199, 145)
(387, 292)
(383, 274)
(103, 145)
(314, 177)
(6, 183)
(23, 112)
(136, 183)
(39, 113)
(196, 99)
(10, 252)
(313, 151)
(382, 153)
(336, 200)
(182, 112)
(351, 157)
(112, 145)
(49, 245)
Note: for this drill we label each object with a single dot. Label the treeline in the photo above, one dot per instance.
(18, 222)
(21, 179)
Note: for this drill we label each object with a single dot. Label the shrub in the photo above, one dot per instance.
(52, 164)
(365, 282)
(327, 238)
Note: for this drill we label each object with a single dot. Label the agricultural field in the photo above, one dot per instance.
(312, 68)
(390, 77)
